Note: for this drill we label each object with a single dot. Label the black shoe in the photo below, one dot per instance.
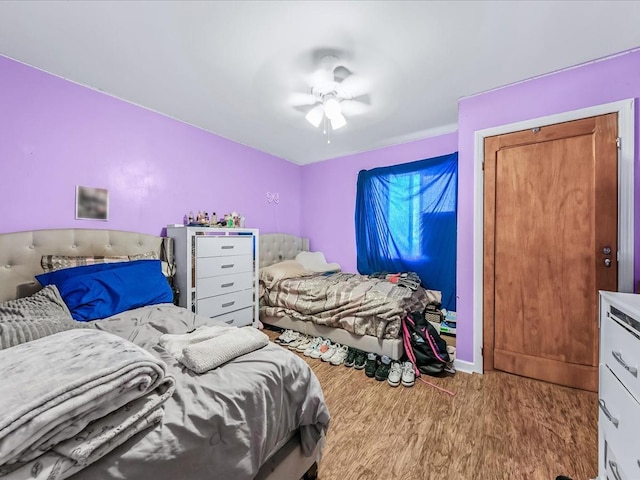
(382, 372)
(351, 357)
(372, 365)
(360, 360)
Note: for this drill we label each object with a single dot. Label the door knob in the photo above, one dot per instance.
(606, 250)
(607, 262)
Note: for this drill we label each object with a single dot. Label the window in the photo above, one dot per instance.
(406, 221)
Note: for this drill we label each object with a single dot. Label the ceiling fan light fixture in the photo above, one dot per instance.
(332, 108)
(314, 116)
(338, 121)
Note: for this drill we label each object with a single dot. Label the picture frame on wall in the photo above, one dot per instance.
(92, 203)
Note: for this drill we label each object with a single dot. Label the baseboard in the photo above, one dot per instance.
(465, 367)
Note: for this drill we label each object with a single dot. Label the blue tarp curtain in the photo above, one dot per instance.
(406, 221)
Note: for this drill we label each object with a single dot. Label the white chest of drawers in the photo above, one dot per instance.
(619, 390)
(217, 272)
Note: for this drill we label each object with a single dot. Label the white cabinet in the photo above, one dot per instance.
(619, 389)
(217, 272)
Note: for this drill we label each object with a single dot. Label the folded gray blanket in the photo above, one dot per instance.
(68, 399)
(207, 348)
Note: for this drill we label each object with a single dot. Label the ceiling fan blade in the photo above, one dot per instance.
(354, 107)
(299, 99)
(354, 86)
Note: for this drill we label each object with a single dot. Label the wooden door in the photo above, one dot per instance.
(551, 210)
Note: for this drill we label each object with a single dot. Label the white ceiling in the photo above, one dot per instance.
(231, 67)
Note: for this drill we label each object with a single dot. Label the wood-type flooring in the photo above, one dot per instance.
(498, 426)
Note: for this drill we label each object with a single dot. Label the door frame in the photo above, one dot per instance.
(626, 116)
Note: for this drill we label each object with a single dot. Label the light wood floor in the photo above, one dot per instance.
(498, 426)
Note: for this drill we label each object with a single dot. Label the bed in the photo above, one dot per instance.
(214, 424)
(345, 321)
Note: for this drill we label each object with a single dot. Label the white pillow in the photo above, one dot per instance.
(281, 271)
(316, 262)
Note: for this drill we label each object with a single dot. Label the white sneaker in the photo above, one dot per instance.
(395, 374)
(284, 337)
(339, 356)
(294, 344)
(408, 374)
(331, 351)
(322, 348)
(290, 338)
(315, 346)
(302, 346)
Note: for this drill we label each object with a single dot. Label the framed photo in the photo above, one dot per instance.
(92, 203)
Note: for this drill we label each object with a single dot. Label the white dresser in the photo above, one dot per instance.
(217, 272)
(619, 391)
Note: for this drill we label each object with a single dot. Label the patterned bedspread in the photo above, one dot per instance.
(356, 303)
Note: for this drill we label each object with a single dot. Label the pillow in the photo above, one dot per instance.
(315, 262)
(280, 271)
(51, 263)
(24, 319)
(98, 291)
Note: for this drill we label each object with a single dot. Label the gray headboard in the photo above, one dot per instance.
(21, 252)
(277, 247)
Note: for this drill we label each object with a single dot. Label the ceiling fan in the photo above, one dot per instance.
(335, 92)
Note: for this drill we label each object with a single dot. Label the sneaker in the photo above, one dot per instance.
(293, 336)
(372, 365)
(317, 353)
(395, 374)
(339, 356)
(315, 346)
(302, 346)
(382, 372)
(284, 337)
(331, 351)
(350, 360)
(360, 360)
(300, 340)
(408, 374)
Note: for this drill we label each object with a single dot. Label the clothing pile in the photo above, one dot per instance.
(407, 279)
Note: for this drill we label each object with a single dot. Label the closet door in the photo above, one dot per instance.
(550, 244)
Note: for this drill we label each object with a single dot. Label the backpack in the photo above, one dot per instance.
(423, 345)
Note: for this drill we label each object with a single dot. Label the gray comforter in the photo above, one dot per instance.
(223, 424)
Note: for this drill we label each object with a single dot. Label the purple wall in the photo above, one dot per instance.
(605, 81)
(55, 134)
(329, 194)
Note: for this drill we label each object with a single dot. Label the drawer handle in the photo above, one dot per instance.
(614, 470)
(227, 247)
(229, 265)
(228, 304)
(607, 413)
(230, 321)
(632, 370)
(225, 285)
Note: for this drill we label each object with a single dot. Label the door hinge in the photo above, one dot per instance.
(483, 166)
(619, 143)
(482, 351)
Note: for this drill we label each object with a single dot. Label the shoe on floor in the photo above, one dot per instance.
(322, 348)
(314, 347)
(372, 365)
(340, 355)
(302, 346)
(350, 360)
(382, 372)
(360, 361)
(331, 351)
(284, 337)
(292, 337)
(395, 374)
(298, 341)
(408, 374)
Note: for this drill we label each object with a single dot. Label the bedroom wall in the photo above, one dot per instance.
(329, 193)
(55, 134)
(605, 81)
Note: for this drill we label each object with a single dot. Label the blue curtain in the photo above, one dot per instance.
(406, 221)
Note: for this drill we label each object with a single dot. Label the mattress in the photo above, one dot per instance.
(223, 424)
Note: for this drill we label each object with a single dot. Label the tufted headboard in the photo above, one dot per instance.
(276, 247)
(21, 252)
